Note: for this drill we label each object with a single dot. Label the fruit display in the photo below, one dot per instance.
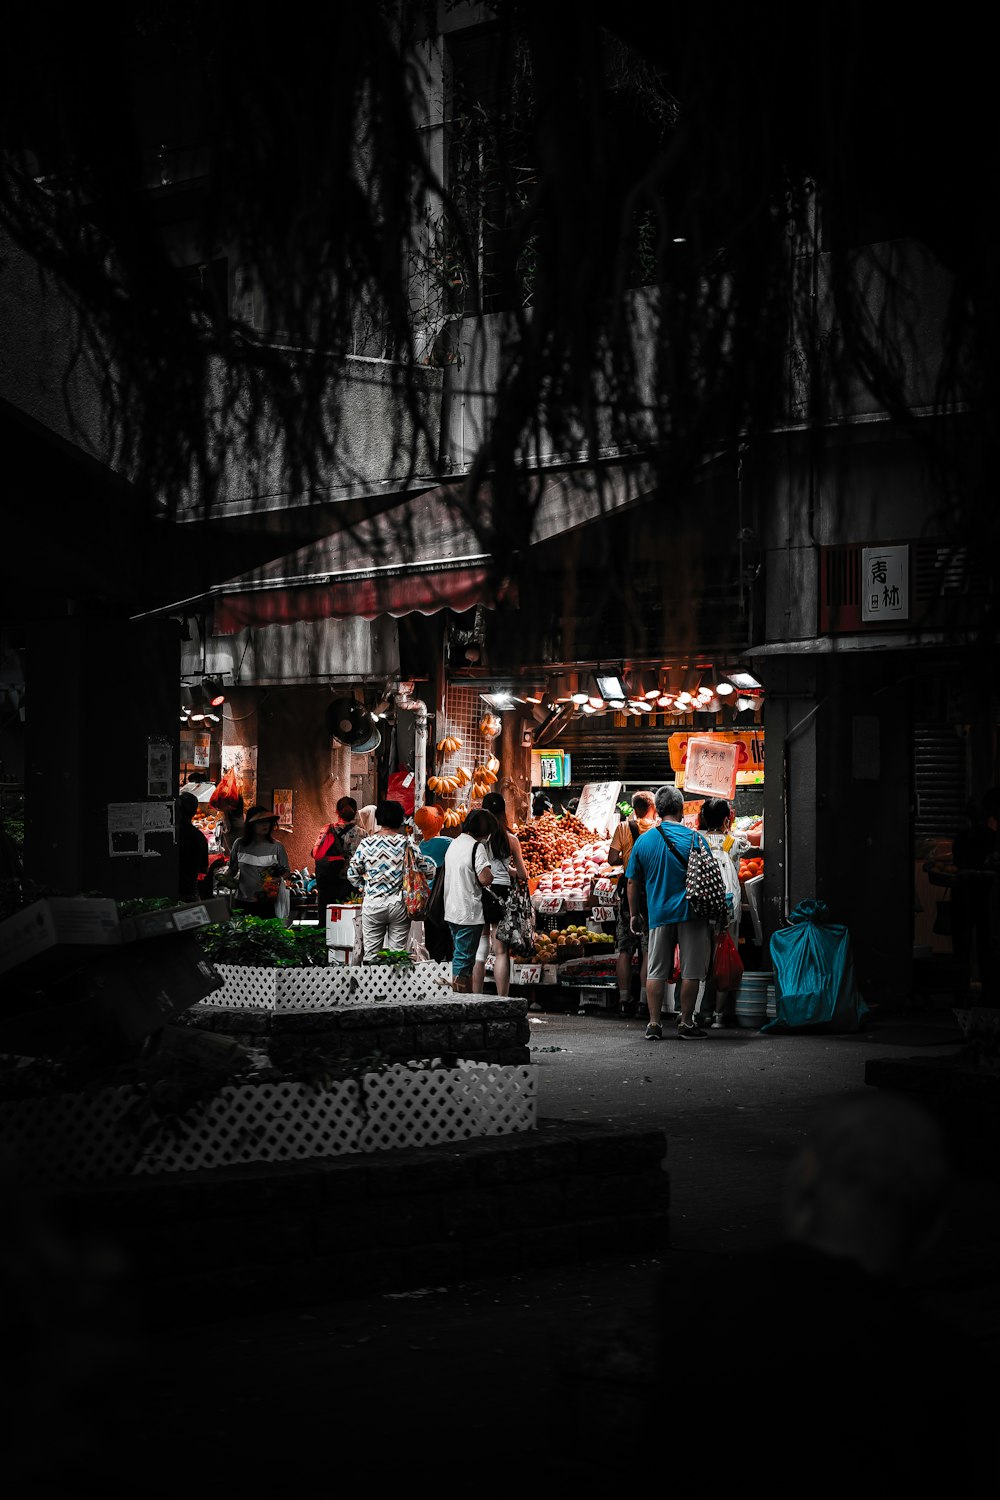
(449, 745)
(548, 841)
(750, 867)
(448, 784)
(550, 947)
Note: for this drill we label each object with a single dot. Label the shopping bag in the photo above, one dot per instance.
(283, 903)
(517, 925)
(704, 887)
(727, 966)
(416, 885)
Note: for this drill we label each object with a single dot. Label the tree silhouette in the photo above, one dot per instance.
(663, 180)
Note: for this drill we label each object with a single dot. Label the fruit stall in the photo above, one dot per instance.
(574, 946)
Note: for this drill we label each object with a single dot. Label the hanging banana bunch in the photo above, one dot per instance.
(449, 745)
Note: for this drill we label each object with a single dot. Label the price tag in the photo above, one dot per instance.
(548, 904)
(603, 914)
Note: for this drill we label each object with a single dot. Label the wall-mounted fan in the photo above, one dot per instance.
(373, 741)
(349, 722)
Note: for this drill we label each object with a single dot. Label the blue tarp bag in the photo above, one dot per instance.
(814, 974)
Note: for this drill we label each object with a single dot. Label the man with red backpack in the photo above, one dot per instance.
(332, 852)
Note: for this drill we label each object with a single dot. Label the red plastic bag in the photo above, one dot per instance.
(675, 972)
(401, 789)
(727, 966)
(227, 796)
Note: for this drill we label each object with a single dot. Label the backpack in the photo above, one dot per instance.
(329, 849)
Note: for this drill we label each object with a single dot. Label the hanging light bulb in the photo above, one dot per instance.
(214, 690)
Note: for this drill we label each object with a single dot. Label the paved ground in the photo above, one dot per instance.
(494, 1367)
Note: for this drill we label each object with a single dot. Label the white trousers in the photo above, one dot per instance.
(384, 924)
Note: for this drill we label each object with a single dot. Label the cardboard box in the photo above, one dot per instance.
(72, 924)
(187, 918)
(123, 993)
(141, 986)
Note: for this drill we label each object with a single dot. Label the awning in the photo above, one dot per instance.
(394, 592)
(422, 557)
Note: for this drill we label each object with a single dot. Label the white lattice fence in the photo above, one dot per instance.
(316, 988)
(73, 1137)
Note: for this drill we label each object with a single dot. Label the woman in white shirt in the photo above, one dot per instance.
(505, 858)
(466, 871)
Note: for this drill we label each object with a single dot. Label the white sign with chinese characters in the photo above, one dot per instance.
(885, 583)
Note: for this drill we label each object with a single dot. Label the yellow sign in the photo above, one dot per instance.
(749, 756)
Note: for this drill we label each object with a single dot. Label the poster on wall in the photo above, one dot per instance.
(243, 760)
(159, 768)
(132, 825)
(202, 752)
(282, 805)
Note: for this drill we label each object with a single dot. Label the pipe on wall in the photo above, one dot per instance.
(415, 706)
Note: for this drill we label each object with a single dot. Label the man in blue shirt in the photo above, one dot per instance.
(658, 866)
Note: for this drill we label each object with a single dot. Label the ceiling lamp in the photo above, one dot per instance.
(744, 681)
(214, 690)
(743, 704)
(610, 685)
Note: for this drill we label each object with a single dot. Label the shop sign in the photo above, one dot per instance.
(710, 768)
(550, 768)
(749, 755)
(885, 584)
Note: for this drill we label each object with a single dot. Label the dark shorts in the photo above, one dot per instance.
(627, 941)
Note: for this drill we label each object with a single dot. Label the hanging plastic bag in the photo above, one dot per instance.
(814, 974)
(402, 789)
(227, 796)
(415, 945)
(283, 903)
(727, 966)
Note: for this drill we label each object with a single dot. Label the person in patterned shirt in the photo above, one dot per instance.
(376, 869)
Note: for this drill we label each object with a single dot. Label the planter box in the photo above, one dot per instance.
(315, 988)
(73, 1137)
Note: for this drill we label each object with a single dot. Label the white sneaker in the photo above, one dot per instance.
(718, 1021)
